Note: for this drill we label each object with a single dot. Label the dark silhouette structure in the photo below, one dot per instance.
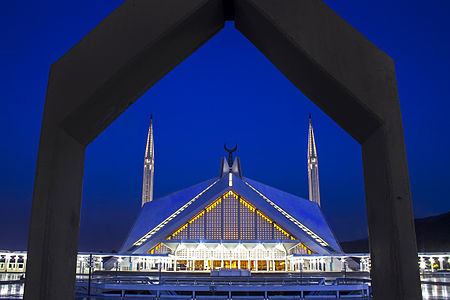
(230, 154)
(341, 71)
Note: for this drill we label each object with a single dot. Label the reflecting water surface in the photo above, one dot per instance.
(435, 292)
(9, 290)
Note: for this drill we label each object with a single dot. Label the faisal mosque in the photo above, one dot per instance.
(231, 221)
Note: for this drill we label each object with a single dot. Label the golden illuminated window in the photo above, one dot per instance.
(214, 220)
(230, 217)
(160, 249)
(247, 220)
(181, 233)
(264, 227)
(197, 226)
(280, 234)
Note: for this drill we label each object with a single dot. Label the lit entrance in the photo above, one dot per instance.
(199, 265)
(244, 264)
(280, 265)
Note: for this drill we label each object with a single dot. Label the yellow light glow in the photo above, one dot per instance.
(213, 214)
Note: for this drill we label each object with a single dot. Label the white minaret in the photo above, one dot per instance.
(313, 167)
(149, 167)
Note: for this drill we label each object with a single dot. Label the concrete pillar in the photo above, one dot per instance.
(389, 213)
(7, 260)
(55, 215)
(13, 263)
(331, 264)
(25, 263)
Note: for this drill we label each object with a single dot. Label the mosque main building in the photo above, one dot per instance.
(231, 221)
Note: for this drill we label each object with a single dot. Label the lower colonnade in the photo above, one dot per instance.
(290, 264)
(428, 262)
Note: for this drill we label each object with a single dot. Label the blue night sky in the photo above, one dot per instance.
(229, 92)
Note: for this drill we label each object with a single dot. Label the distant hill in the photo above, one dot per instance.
(432, 233)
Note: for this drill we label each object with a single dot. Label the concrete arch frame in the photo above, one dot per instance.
(335, 66)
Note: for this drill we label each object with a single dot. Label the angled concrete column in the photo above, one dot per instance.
(55, 218)
(90, 86)
(354, 82)
(392, 239)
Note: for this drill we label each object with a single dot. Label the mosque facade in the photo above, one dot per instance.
(231, 221)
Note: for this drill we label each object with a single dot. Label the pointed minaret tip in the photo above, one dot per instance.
(149, 165)
(313, 166)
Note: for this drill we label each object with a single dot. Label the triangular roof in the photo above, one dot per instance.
(161, 217)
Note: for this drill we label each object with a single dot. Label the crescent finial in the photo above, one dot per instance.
(228, 150)
(230, 153)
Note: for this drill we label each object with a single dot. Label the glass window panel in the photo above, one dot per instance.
(264, 226)
(234, 209)
(247, 220)
(214, 220)
(197, 226)
(230, 216)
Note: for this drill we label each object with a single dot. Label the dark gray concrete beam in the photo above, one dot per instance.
(125, 55)
(354, 82)
(332, 55)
